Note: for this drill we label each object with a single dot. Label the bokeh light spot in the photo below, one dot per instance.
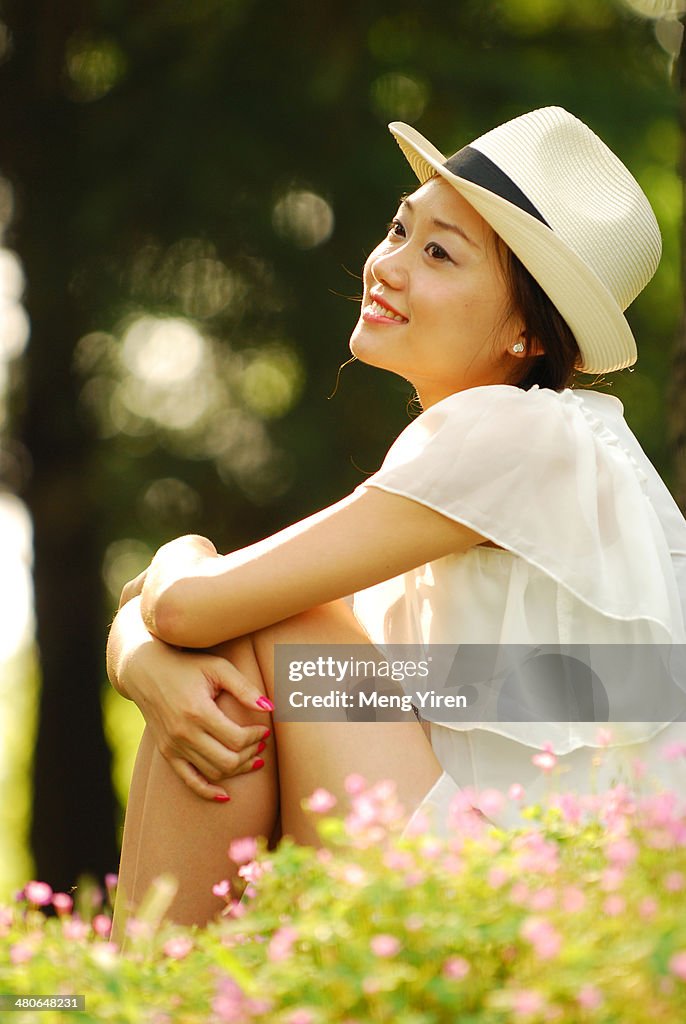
(14, 321)
(163, 350)
(399, 96)
(170, 501)
(272, 381)
(205, 287)
(303, 218)
(16, 596)
(93, 66)
(124, 560)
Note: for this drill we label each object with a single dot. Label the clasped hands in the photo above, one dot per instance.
(176, 690)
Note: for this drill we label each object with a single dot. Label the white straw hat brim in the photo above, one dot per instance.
(602, 333)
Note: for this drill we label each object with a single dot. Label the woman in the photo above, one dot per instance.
(512, 511)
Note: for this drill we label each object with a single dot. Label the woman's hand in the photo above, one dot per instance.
(176, 692)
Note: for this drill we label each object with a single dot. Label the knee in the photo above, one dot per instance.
(326, 623)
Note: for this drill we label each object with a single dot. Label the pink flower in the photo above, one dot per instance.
(604, 737)
(614, 906)
(673, 751)
(414, 922)
(497, 877)
(62, 902)
(320, 802)
(111, 881)
(102, 925)
(431, 848)
(20, 953)
(138, 929)
(38, 893)
(398, 860)
(236, 909)
(281, 944)
(621, 852)
(418, 825)
(300, 1017)
(229, 1002)
(543, 899)
(490, 802)
(456, 968)
(638, 768)
(612, 878)
(222, 889)
(525, 1001)
(542, 936)
(384, 790)
(573, 899)
(674, 881)
(243, 850)
(384, 945)
(516, 791)
(546, 759)
(677, 964)
(353, 874)
(6, 918)
(354, 784)
(519, 894)
(177, 947)
(251, 872)
(589, 997)
(74, 928)
(648, 907)
(536, 853)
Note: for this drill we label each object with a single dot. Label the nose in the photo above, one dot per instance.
(388, 266)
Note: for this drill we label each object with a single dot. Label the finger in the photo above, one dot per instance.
(217, 724)
(132, 589)
(215, 762)
(253, 762)
(196, 782)
(227, 677)
(236, 764)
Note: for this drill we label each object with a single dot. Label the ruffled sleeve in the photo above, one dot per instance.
(540, 474)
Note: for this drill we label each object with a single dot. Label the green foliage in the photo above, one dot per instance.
(575, 917)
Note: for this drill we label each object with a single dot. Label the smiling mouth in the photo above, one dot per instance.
(375, 308)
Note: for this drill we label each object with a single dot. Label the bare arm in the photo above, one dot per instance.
(193, 597)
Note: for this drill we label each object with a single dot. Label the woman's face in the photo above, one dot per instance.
(436, 307)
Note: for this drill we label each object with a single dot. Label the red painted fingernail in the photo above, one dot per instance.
(221, 798)
(261, 746)
(267, 734)
(264, 703)
(257, 763)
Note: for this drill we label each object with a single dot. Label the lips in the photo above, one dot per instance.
(377, 308)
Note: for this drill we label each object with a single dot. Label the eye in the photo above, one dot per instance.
(396, 229)
(437, 252)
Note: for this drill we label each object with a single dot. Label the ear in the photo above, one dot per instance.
(526, 345)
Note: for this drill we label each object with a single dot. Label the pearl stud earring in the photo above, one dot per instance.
(518, 346)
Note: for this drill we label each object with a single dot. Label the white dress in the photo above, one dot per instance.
(591, 553)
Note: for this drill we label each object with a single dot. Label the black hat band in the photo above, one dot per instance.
(472, 165)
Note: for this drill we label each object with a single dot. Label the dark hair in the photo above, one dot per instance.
(555, 368)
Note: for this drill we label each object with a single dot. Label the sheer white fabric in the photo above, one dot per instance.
(592, 547)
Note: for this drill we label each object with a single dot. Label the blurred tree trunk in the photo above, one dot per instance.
(73, 807)
(678, 397)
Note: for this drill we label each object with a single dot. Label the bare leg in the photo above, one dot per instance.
(313, 754)
(170, 829)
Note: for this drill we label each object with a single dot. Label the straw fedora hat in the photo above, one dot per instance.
(569, 209)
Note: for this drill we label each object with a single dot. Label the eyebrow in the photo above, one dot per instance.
(455, 228)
